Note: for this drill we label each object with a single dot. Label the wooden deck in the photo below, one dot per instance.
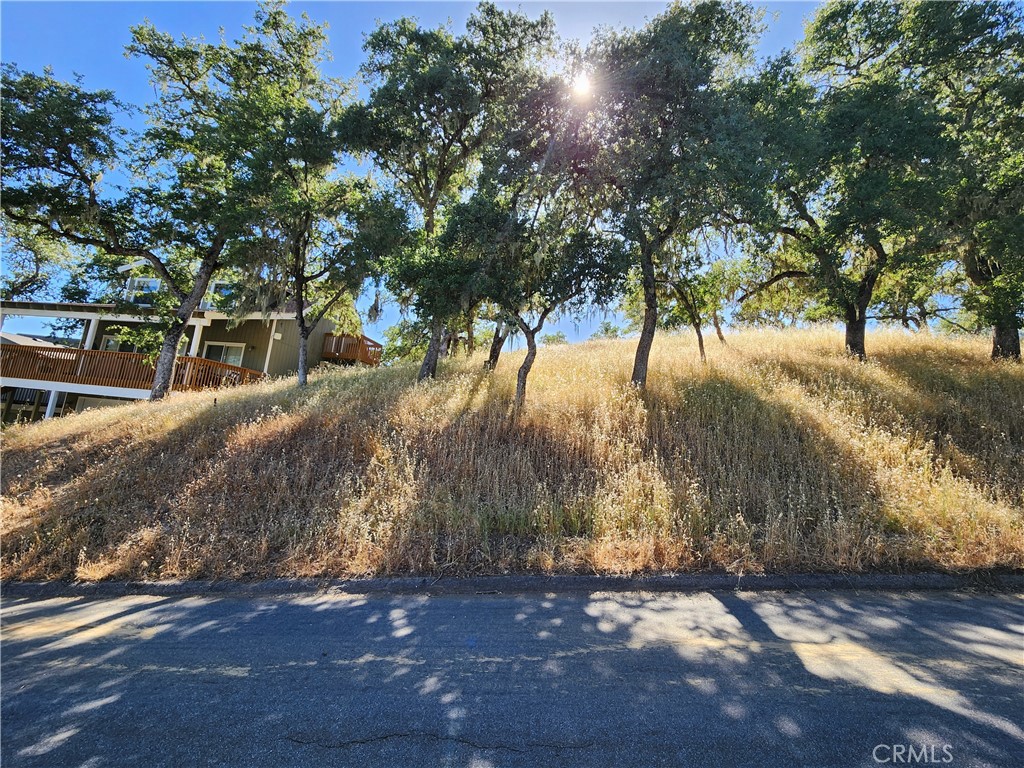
(343, 348)
(124, 370)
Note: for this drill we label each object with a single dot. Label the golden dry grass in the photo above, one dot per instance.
(781, 454)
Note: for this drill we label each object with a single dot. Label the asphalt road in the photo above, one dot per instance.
(730, 678)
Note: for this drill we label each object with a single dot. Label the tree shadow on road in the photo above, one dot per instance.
(616, 679)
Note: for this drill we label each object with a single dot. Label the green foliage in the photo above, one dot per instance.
(526, 240)
(786, 302)
(875, 173)
(529, 247)
(858, 161)
(607, 330)
(405, 341)
(436, 100)
(319, 234)
(33, 262)
(553, 339)
(298, 251)
(969, 59)
(58, 142)
(670, 132)
(435, 97)
(345, 316)
(666, 126)
(187, 193)
(915, 297)
(145, 338)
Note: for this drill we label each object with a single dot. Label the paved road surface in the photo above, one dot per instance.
(772, 679)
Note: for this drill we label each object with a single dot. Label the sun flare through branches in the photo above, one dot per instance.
(581, 86)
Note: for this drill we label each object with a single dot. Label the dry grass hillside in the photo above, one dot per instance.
(779, 454)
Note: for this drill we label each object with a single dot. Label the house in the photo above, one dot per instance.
(216, 350)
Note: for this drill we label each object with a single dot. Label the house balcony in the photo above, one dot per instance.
(342, 348)
(109, 374)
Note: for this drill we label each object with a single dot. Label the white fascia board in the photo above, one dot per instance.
(214, 315)
(209, 316)
(74, 314)
(134, 265)
(77, 389)
(77, 315)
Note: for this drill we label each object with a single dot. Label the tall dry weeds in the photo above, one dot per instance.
(779, 454)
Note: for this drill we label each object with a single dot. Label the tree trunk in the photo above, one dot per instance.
(162, 378)
(1006, 339)
(497, 343)
(718, 327)
(650, 324)
(428, 369)
(855, 308)
(983, 273)
(700, 342)
(524, 369)
(921, 321)
(855, 327)
(470, 339)
(447, 338)
(303, 355)
(299, 280)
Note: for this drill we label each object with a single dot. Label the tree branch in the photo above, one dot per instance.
(323, 310)
(786, 275)
(802, 211)
(111, 244)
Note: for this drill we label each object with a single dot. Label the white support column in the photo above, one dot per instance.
(90, 334)
(270, 346)
(51, 404)
(193, 350)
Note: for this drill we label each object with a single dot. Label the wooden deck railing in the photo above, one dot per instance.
(345, 348)
(114, 369)
(200, 373)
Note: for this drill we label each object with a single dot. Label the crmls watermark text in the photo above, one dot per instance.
(913, 753)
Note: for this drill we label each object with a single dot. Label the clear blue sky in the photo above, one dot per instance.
(88, 39)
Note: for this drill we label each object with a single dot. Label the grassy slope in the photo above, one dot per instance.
(780, 454)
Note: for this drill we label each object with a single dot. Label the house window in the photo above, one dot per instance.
(141, 290)
(114, 344)
(217, 296)
(224, 352)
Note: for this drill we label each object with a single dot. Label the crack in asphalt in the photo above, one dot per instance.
(433, 736)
